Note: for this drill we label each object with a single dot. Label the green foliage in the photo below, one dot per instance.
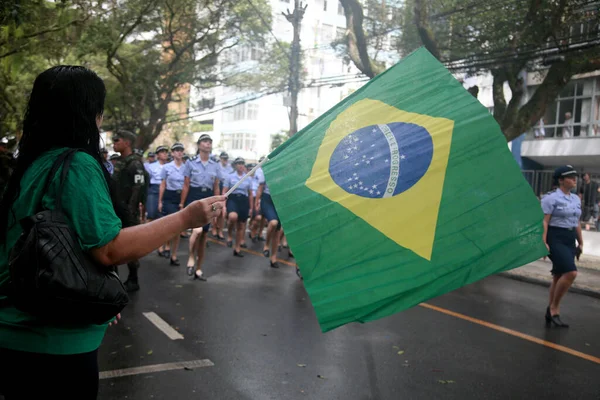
(149, 53)
(278, 139)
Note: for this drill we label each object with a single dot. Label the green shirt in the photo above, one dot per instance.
(87, 205)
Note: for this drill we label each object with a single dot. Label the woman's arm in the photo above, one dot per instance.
(161, 192)
(137, 241)
(579, 236)
(184, 191)
(546, 222)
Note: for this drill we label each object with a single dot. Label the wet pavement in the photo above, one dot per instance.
(254, 335)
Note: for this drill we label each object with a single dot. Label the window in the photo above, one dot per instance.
(238, 112)
(340, 9)
(239, 141)
(575, 111)
(252, 111)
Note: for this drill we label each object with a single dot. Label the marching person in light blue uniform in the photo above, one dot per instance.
(225, 169)
(202, 177)
(170, 192)
(155, 171)
(562, 210)
(265, 205)
(238, 205)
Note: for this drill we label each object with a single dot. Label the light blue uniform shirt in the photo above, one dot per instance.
(261, 180)
(155, 170)
(173, 175)
(225, 170)
(564, 208)
(256, 180)
(201, 175)
(234, 178)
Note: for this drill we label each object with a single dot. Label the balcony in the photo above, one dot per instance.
(582, 151)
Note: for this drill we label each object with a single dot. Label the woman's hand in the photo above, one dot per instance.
(548, 247)
(116, 320)
(201, 212)
(160, 206)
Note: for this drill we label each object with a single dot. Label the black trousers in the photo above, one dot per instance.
(27, 376)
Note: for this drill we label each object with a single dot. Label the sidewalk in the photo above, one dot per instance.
(538, 272)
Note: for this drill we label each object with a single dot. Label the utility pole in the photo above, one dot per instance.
(295, 18)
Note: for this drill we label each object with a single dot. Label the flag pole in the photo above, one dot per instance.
(246, 176)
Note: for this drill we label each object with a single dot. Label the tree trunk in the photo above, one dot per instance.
(356, 39)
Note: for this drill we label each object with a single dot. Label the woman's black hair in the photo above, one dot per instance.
(63, 107)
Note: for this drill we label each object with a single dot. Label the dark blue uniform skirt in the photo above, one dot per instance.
(239, 204)
(198, 193)
(562, 249)
(267, 208)
(152, 201)
(171, 200)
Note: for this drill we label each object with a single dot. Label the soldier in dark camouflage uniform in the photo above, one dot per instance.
(130, 180)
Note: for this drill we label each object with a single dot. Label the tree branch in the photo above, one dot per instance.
(425, 33)
(356, 39)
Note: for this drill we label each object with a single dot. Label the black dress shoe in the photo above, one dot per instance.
(167, 254)
(244, 246)
(555, 319)
(199, 278)
(266, 253)
(230, 244)
(236, 254)
(131, 286)
(548, 316)
(274, 264)
(190, 270)
(175, 263)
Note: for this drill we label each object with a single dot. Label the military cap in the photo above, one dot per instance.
(151, 154)
(161, 148)
(224, 155)
(564, 171)
(239, 160)
(177, 146)
(126, 135)
(114, 156)
(204, 136)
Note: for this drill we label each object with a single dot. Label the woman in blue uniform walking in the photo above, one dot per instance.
(238, 205)
(170, 192)
(562, 210)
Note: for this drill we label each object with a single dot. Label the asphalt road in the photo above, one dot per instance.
(253, 333)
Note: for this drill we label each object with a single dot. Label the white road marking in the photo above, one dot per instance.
(163, 326)
(117, 373)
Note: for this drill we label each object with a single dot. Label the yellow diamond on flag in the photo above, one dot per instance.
(387, 167)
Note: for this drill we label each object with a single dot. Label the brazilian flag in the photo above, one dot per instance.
(403, 191)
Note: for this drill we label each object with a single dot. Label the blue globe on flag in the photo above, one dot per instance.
(380, 161)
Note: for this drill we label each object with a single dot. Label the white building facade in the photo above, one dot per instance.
(244, 127)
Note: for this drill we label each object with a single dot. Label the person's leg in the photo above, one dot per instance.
(555, 279)
(239, 237)
(274, 240)
(261, 228)
(201, 248)
(233, 219)
(192, 247)
(562, 287)
(271, 233)
(132, 284)
(174, 248)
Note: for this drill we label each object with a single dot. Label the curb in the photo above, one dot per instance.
(542, 282)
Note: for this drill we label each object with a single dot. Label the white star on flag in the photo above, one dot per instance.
(368, 161)
(378, 193)
(402, 157)
(371, 191)
(374, 186)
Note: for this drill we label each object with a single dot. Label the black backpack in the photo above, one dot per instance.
(52, 277)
